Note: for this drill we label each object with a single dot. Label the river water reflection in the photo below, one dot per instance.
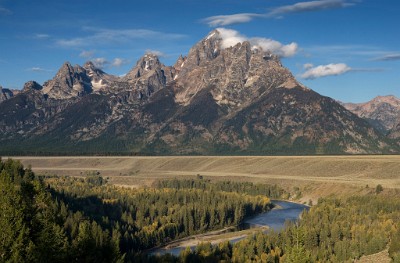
(274, 219)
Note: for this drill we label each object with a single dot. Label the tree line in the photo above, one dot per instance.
(272, 191)
(335, 230)
(66, 219)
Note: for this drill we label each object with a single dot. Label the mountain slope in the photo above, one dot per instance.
(216, 100)
(382, 112)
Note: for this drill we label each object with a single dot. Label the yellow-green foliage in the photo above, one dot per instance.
(335, 230)
(148, 217)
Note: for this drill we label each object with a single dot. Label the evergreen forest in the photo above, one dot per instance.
(86, 219)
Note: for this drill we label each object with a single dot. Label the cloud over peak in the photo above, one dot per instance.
(225, 20)
(156, 52)
(231, 37)
(277, 12)
(86, 54)
(102, 63)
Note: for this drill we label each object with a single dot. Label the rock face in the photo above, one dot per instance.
(77, 81)
(216, 100)
(394, 133)
(5, 94)
(147, 77)
(99, 80)
(239, 73)
(31, 85)
(69, 82)
(382, 112)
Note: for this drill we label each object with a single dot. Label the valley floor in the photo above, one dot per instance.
(316, 176)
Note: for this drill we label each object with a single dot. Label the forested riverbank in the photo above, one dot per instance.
(89, 220)
(335, 230)
(85, 219)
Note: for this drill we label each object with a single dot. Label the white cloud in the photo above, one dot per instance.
(308, 66)
(102, 63)
(310, 6)
(224, 20)
(155, 52)
(107, 36)
(388, 57)
(86, 54)
(232, 37)
(118, 62)
(42, 36)
(38, 69)
(276, 47)
(326, 70)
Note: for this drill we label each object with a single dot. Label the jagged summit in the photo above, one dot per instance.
(89, 65)
(99, 80)
(238, 73)
(147, 76)
(69, 82)
(224, 97)
(205, 50)
(145, 65)
(32, 85)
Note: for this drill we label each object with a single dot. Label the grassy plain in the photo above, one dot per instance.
(316, 176)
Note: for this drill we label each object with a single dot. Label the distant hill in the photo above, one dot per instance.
(382, 112)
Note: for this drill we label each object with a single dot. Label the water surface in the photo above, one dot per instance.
(275, 219)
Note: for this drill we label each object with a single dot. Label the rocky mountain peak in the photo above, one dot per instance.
(90, 66)
(229, 98)
(390, 99)
(149, 62)
(204, 51)
(92, 70)
(237, 74)
(147, 77)
(68, 82)
(99, 80)
(382, 111)
(32, 85)
(146, 65)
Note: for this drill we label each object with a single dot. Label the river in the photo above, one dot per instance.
(274, 219)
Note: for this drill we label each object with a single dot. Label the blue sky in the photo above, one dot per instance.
(346, 49)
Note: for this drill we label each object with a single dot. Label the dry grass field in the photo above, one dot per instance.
(316, 175)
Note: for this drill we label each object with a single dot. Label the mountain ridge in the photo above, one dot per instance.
(383, 112)
(216, 100)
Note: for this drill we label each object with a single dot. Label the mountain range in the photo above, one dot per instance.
(383, 112)
(216, 100)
